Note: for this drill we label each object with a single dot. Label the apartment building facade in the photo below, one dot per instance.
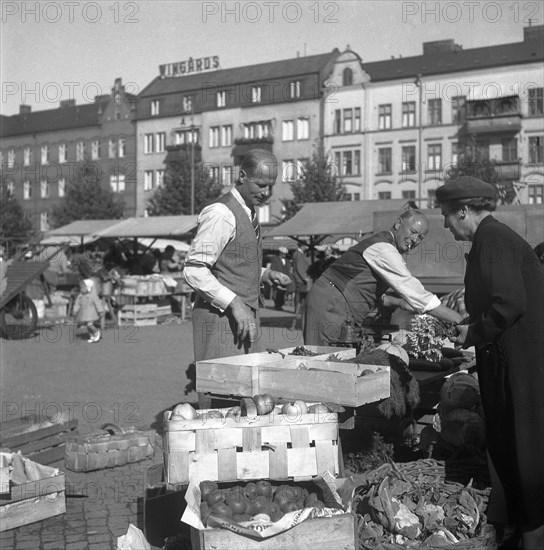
(42, 152)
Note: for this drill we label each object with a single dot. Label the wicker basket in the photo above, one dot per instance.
(112, 446)
(424, 472)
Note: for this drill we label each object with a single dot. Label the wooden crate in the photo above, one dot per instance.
(334, 533)
(33, 501)
(43, 440)
(138, 315)
(273, 446)
(295, 377)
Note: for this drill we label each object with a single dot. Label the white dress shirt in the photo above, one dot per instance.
(386, 260)
(216, 229)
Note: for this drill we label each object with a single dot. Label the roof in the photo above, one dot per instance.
(237, 75)
(335, 218)
(82, 228)
(459, 60)
(153, 226)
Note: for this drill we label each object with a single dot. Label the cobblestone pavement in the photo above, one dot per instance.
(148, 370)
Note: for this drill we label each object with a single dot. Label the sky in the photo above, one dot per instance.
(64, 49)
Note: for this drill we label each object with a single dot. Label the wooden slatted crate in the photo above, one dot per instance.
(273, 446)
(138, 314)
(295, 377)
(42, 440)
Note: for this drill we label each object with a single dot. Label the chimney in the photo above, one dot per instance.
(440, 46)
(67, 103)
(25, 109)
(535, 32)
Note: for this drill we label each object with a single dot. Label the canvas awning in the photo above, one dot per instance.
(153, 226)
(335, 218)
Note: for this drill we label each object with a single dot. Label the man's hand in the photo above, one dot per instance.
(244, 317)
(276, 278)
(459, 341)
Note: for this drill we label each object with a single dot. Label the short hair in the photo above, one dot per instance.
(255, 158)
(477, 204)
(411, 213)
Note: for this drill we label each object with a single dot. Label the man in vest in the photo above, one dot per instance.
(224, 264)
(354, 284)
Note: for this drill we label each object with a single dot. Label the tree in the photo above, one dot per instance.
(474, 162)
(14, 225)
(318, 181)
(87, 199)
(174, 195)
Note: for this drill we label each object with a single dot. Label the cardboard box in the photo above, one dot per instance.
(34, 500)
(295, 377)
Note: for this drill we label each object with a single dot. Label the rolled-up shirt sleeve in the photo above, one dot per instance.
(386, 261)
(216, 228)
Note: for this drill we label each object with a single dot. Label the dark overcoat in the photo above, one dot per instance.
(504, 296)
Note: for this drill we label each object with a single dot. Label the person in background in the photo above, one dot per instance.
(281, 264)
(169, 262)
(88, 309)
(539, 251)
(224, 265)
(351, 286)
(504, 297)
(301, 279)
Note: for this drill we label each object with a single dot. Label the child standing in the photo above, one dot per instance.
(88, 309)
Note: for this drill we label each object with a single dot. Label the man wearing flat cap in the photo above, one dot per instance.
(504, 297)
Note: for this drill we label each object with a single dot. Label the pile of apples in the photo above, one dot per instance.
(257, 405)
(254, 501)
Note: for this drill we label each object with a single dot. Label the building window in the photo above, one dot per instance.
(409, 158)
(458, 109)
(226, 136)
(1, 160)
(384, 195)
(536, 149)
(62, 187)
(148, 143)
(221, 99)
(148, 180)
(535, 194)
(228, 174)
(482, 149)
(337, 121)
(435, 111)
(213, 173)
(95, 150)
(256, 129)
(289, 170)
(510, 150)
(356, 162)
(384, 160)
(121, 147)
(44, 151)
(408, 195)
(536, 101)
(44, 221)
(80, 151)
(337, 163)
(11, 158)
(187, 104)
(303, 128)
(27, 156)
(348, 120)
(10, 188)
(44, 189)
(434, 157)
(160, 142)
(287, 130)
(408, 114)
(384, 117)
(214, 136)
(159, 178)
(347, 163)
(184, 137)
(155, 107)
(294, 89)
(357, 120)
(347, 77)
(356, 196)
(117, 183)
(431, 198)
(256, 92)
(263, 213)
(27, 190)
(62, 152)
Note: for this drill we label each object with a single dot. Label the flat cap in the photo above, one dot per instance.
(465, 187)
(283, 250)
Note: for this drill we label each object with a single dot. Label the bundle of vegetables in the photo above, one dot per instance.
(396, 511)
(301, 350)
(426, 337)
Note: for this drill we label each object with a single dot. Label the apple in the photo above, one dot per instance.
(248, 407)
(234, 412)
(289, 507)
(319, 409)
(264, 403)
(265, 488)
(214, 414)
(207, 487)
(260, 504)
(215, 497)
(238, 502)
(295, 408)
(221, 509)
(251, 491)
(186, 411)
(204, 512)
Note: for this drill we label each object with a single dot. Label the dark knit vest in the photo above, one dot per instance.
(355, 279)
(239, 265)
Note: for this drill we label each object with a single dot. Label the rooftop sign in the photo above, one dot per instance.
(181, 68)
